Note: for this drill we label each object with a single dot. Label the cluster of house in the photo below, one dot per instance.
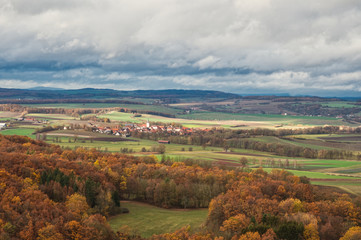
(31, 119)
(128, 129)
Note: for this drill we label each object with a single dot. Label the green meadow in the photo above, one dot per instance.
(19, 131)
(339, 104)
(147, 220)
(251, 117)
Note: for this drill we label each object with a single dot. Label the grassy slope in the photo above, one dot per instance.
(50, 116)
(148, 220)
(226, 120)
(339, 104)
(19, 131)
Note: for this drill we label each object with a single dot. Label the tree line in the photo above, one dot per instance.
(243, 139)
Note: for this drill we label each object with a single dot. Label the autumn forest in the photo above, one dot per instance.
(52, 193)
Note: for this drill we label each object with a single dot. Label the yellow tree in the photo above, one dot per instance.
(310, 232)
(77, 204)
(250, 236)
(353, 233)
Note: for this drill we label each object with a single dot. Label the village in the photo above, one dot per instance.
(129, 128)
(123, 130)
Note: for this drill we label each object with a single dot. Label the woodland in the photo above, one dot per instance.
(52, 193)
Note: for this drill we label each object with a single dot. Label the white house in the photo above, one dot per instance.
(3, 125)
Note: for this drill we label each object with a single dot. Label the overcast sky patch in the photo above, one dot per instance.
(299, 47)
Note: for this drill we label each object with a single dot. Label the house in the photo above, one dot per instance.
(29, 119)
(107, 131)
(3, 125)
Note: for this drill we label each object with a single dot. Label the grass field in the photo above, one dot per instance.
(147, 220)
(339, 104)
(227, 120)
(326, 163)
(127, 117)
(199, 118)
(250, 117)
(319, 175)
(19, 131)
(50, 116)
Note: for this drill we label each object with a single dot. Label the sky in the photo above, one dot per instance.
(300, 47)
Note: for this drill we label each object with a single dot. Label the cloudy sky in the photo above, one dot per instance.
(241, 46)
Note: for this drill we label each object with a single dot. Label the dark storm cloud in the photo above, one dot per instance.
(231, 45)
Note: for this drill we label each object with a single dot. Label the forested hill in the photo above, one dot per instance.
(90, 93)
(47, 192)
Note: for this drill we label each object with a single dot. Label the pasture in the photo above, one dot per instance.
(226, 120)
(49, 117)
(147, 220)
(19, 131)
(336, 104)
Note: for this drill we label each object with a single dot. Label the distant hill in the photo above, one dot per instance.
(45, 88)
(91, 93)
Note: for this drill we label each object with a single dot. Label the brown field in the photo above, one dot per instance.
(225, 162)
(349, 138)
(335, 180)
(9, 114)
(67, 135)
(110, 139)
(243, 154)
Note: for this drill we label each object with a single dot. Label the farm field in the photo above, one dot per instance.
(147, 220)
(275, 119)
(51, 116)
(226, 120)
(201, 118)
(336, 104)
(140, 107)
(19, 131)
(316, 169)
(127, 117)
(66, 138)
(317, 175)
(7, 114)
(73, 105)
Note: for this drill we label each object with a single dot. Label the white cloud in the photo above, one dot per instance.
(16, 83)
(207, 62)
(287, 44)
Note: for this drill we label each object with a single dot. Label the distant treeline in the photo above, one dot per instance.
(318, 109)
(245, 133)
(47, 101)
(12, 108)
(227, 138)
(168, 115)
(76, 112)
(90, 93)
(289, 99)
